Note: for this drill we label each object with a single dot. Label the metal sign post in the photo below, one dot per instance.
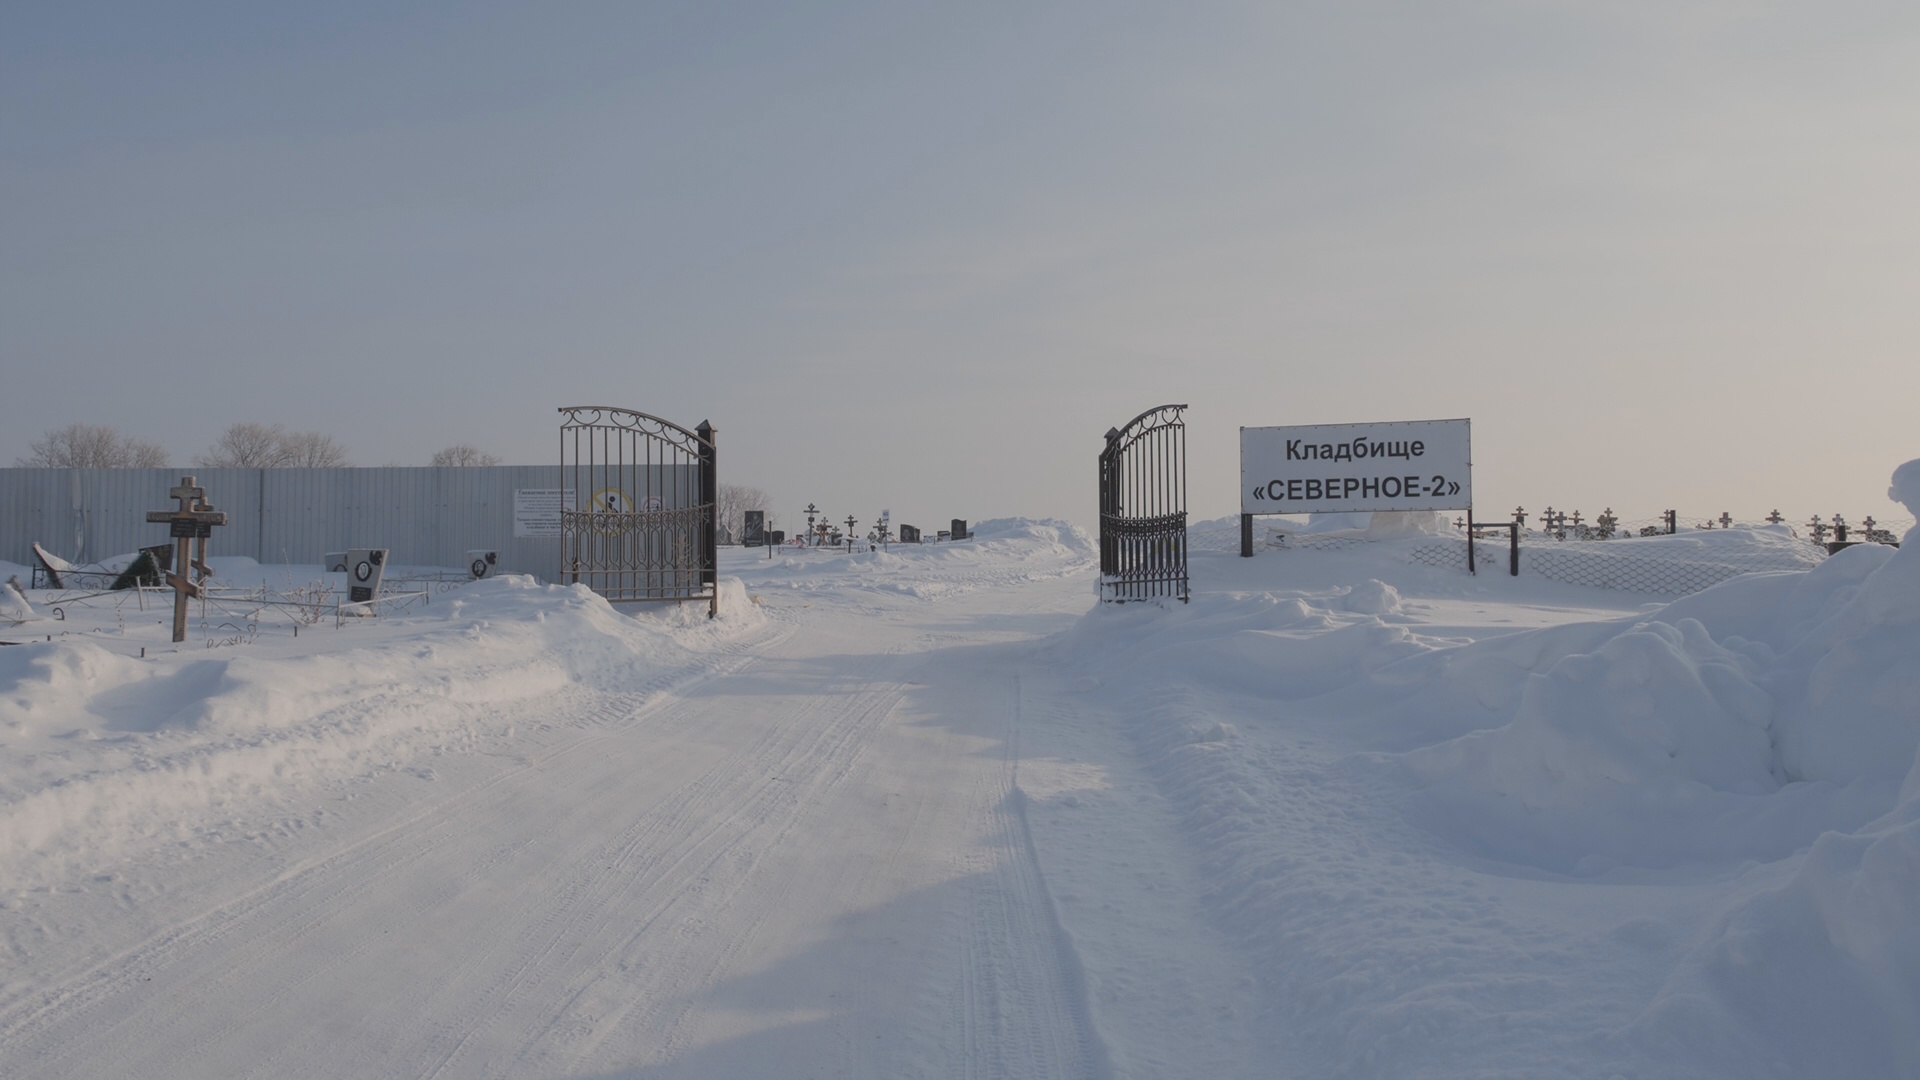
(191, 526)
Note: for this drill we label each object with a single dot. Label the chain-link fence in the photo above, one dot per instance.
(1670, 555)
(1664, 565)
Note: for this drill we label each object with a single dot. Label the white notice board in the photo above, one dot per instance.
(1338, 468)
(536, 511)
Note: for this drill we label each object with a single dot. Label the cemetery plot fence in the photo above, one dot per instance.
(638, 515)
(1143, 508)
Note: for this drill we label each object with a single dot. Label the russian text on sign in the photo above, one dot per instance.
(1352, 467)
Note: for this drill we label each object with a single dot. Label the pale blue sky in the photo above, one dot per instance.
(922, 256)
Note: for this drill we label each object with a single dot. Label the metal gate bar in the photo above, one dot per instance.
(1143, 508)
(637, 506)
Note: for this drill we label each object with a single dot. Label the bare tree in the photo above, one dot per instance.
(92, 446)
(246, 446)
(462, 454)
(312, 450)
(734, 500)
(270, 446)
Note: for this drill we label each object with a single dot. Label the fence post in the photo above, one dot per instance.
(1472, 568)
(1513, 549)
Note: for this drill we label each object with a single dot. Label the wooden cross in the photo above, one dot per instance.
(1726, 520)
(190, 526)
(1775, 518)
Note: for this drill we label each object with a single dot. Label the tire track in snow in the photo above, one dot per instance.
(1011, 1003)
(325, 882)
(692, 862)
(619, 914)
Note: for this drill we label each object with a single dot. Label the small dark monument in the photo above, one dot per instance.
(909, 534)
(190, 526)
(755, 532)
(150, 567)
(959, 528)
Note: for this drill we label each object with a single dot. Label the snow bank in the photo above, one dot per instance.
(1773, 719)
(102, 752)
(1754, 748)
(1797, 687)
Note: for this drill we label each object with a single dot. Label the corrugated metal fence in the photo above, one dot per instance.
(423, 516)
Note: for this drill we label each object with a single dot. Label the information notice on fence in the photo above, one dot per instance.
(536, 511)
(1336, 468)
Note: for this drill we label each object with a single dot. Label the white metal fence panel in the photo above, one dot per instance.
(423, 516)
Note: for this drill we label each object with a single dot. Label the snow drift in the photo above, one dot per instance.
(1740, 767)
(101, 752)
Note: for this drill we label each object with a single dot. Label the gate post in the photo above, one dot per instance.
(709, 529)
(1109, 506)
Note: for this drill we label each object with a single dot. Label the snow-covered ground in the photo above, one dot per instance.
(934, 812)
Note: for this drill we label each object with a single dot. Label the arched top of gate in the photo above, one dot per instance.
(610, 418)
(1160, 416)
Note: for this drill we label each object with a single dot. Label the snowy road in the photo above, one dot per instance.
(806, 859)
(935, 813)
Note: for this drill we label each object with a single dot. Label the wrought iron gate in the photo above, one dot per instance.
(637, 506)
(1143, 507)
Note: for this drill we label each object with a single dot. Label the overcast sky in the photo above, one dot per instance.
(921, 256)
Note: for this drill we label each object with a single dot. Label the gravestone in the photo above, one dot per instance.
(365, 568)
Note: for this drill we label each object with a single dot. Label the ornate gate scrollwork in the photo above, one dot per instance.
(637, 506)
(1143, 507)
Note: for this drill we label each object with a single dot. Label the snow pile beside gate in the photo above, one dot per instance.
(1709, 811)
(1771, 720)
(1774, 719)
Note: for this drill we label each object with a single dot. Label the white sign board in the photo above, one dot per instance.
(1337, 468)
(536, 511)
